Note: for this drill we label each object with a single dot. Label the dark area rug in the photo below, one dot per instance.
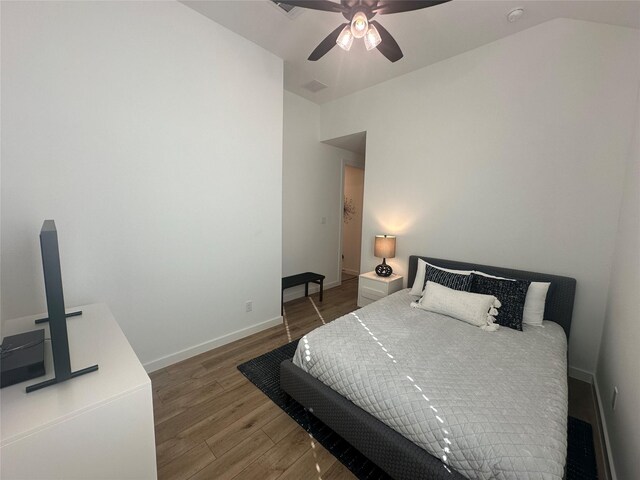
(264, 373)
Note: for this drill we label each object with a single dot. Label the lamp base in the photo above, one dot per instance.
(384, 270)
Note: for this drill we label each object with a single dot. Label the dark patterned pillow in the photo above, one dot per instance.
(455, 281)
(511, 293)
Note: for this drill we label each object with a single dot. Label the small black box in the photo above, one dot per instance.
(22, 357)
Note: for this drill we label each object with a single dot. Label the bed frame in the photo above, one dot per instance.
(393, 453)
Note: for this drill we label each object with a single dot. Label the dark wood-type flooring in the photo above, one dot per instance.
(212, 423)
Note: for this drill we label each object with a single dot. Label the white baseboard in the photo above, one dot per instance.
(580, 374)
(603, 422)
(351, 272)
(189, 352)
(298, 292)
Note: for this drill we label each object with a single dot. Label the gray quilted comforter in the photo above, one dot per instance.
(491, 405)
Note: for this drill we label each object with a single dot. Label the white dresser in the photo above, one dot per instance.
(371, 287)
(96, 426)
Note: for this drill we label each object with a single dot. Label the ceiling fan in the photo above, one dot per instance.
(359, 14)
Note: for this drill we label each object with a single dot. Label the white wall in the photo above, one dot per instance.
(153, 137)
(311, 191)
(511, 154)
(619, 354)
(352, 229)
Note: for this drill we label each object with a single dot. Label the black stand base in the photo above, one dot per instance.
(53, 381)
(72, 314)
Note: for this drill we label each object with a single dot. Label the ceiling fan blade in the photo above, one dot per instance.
(388, 46)
(324, 5)
(385, 7)
(327, 44)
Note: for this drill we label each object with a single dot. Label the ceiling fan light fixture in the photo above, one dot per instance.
(345, 39)
(359, 15)
(359, 24)
(372, 39)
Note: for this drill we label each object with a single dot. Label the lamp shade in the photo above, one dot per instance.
(385, 246)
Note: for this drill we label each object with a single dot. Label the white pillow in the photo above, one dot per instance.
(533, 312)
(534, 302)
(473, 308)
(421, 271)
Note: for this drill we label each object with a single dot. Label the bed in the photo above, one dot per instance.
(423, 404)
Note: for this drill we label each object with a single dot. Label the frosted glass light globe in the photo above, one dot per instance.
(372, 39)
(345, 39)
(359, 25)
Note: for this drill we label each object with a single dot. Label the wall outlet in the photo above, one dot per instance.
(249, 306)
(614, 398)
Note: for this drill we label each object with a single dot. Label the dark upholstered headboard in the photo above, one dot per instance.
(559, 303)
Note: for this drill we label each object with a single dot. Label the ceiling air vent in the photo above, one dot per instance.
(314, 86)
(284, 6)
(287, 10)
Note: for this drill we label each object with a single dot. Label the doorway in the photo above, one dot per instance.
(351, 242)
(351, 192)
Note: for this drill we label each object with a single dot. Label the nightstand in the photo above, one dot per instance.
(371, 287)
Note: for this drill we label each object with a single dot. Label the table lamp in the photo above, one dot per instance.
(385, 247)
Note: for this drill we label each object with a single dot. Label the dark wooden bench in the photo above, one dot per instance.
(300, 279)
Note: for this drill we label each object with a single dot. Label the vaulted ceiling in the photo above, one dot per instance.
(425, 36)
